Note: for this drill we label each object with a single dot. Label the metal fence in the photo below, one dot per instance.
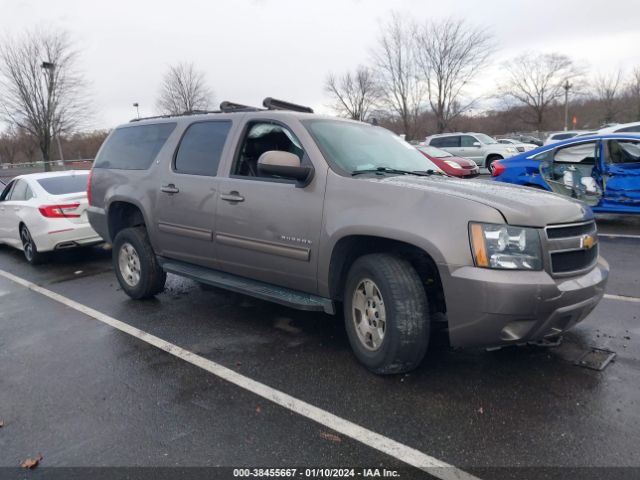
(10, 170)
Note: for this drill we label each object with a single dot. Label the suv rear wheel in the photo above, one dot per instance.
(136, 265)
(386, 314)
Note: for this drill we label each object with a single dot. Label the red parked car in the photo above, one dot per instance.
(454, 166)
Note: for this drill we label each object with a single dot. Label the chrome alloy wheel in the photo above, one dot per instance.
(129, 264)
(368, 314)
(27, 243)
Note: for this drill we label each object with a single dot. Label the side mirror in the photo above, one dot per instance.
(476, 144)
(284, 164)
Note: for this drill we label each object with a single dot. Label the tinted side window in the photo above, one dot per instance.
(201, 147)
(633, 128)
(467, 141)
(563, 136)
(444, 142)
(133, 147)
(19, 191)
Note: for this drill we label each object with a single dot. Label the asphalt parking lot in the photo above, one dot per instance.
(84, 393)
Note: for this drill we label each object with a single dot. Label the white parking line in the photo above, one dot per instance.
(617, 235)
(622, 298)
(371, 439)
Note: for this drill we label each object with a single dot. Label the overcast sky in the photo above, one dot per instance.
(250, 49)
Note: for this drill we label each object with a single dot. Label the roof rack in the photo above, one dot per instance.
(231, 107)
(274, 104)
(228, 107)
(139, 119)
(171, 115)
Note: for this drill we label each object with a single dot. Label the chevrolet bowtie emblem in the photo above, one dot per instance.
(587, 242)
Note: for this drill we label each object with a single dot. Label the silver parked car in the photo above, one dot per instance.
(478, 147)
(319, 213)
(521, 147)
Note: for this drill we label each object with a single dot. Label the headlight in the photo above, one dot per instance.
(512, 150)
(453, 164)
(505, 247)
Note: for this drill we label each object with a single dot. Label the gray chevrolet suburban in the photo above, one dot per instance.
(316, 212)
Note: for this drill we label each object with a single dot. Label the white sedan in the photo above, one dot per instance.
(43, 212)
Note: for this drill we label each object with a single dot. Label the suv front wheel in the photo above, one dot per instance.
(490, 160)
(386, 314)
(136, 265)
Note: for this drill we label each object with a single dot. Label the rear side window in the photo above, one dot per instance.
(201, 148)
(445, 142)
(580, 153)
(133, 148)
(563, 136)
(634, 128)
(64, 185)
(19, 191)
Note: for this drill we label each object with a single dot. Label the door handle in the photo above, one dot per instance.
(171, 189)
(16, 209)
(232, 197)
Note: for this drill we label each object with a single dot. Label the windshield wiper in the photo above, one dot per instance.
(393, 170)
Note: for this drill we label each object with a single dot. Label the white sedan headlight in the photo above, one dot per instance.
(505, 247)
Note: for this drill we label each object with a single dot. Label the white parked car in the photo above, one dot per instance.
(521, 147)
(43, 212)
(631, 128)
(554, 137)
(478, 147)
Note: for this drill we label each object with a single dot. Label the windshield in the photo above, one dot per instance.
(434, 152)
(358, 146)
(486, 139)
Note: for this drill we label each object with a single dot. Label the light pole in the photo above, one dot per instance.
(50, 68)
(566, 87)
(137, 109)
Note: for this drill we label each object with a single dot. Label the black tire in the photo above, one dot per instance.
(406, 331)
(151, 278)
(29, 248)
(490, 160)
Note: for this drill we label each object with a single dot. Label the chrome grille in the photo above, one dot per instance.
(573, 248)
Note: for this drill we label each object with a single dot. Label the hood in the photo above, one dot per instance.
(522, 206)
(502, 146)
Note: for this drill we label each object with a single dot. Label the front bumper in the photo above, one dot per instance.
(487, 308)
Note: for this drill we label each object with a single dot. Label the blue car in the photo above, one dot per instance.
(600, 170)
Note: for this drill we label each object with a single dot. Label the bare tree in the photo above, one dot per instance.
(633, 89)
(449, 54)
(354, 94)
(41, 91)
(9, 146)
(184, 89)
(536, 81)
(401, 88)
(606, 88)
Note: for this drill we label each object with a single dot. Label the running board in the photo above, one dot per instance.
(254, 288)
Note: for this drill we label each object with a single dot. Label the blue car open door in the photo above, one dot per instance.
(620, 172)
